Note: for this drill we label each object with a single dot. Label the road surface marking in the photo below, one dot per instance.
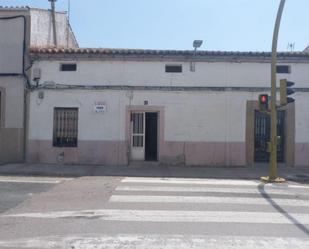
(206, 199)
(208, 182)
(33, 179)
(140, 241)
(203, 189)
(172, 216)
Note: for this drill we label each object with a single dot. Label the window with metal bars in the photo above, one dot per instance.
(65, 127)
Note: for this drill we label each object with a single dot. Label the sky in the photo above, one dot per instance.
(225, 25)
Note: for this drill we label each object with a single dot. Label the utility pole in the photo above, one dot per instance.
(273, 175)
(52, 2)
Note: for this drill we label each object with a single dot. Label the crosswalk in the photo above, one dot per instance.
(193, 213)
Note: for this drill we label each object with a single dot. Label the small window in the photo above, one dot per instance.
(283, 69)
(68, 67)
(173, 68)
(65, 127)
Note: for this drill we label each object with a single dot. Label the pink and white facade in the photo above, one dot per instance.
(203, 117)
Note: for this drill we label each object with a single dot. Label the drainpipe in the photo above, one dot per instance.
(52, 2)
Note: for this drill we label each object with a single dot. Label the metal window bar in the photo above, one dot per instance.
(262, 136)
(65, 127)
(138, 129)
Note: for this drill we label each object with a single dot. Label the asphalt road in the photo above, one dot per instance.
(127, 213)
(16, 190)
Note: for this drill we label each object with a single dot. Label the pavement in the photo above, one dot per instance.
(297, 174)
(108, 212)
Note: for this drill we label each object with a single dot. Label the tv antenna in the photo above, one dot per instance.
(291, 46)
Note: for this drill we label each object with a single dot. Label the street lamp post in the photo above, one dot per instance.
(196, 45)
(52, 2)
(273, 177)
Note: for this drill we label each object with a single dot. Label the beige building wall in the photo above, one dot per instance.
(12, 119)
(302, 129)
(12, 87)
(13, 60)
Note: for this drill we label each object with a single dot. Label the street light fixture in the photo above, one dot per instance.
(196, 45)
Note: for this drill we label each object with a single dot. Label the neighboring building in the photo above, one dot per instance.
(306, 49)
(23, 27)
(114, 106)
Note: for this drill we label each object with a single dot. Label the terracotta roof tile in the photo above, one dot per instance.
(117, 51)
(15, 7)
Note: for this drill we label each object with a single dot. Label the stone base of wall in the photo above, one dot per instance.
(204, 153)
(11, 145)
(117, 153)
(87, 152)
(302, 154)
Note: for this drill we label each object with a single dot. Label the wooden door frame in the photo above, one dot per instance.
(289, 144)
(143, 108)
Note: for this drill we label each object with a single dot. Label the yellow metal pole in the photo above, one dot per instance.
(273, 110)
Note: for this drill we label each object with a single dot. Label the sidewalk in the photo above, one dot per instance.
(299, 174)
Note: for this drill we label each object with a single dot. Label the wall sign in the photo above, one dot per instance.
(99, 107)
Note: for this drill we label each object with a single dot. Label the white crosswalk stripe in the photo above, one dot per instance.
(204, 189)
(205, 199)
(219, 182)
(172, 216)
(130, 241)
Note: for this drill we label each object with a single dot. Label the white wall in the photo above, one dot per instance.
(42, 29)
(153, 74)
(11, 45)
(92, 126)
(189, 116)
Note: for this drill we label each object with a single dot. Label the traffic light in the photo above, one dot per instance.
(263, 102)
(285, 91)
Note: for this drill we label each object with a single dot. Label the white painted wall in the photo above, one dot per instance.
(189, 116)
(153, 74)
(92, 126)
(42, 29)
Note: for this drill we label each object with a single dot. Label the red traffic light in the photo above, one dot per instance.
(263, 102)
(264, 98)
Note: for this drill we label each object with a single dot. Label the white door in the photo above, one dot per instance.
(138, 136)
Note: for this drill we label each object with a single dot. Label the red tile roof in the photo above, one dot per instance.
(15, 7)
(117, 51)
